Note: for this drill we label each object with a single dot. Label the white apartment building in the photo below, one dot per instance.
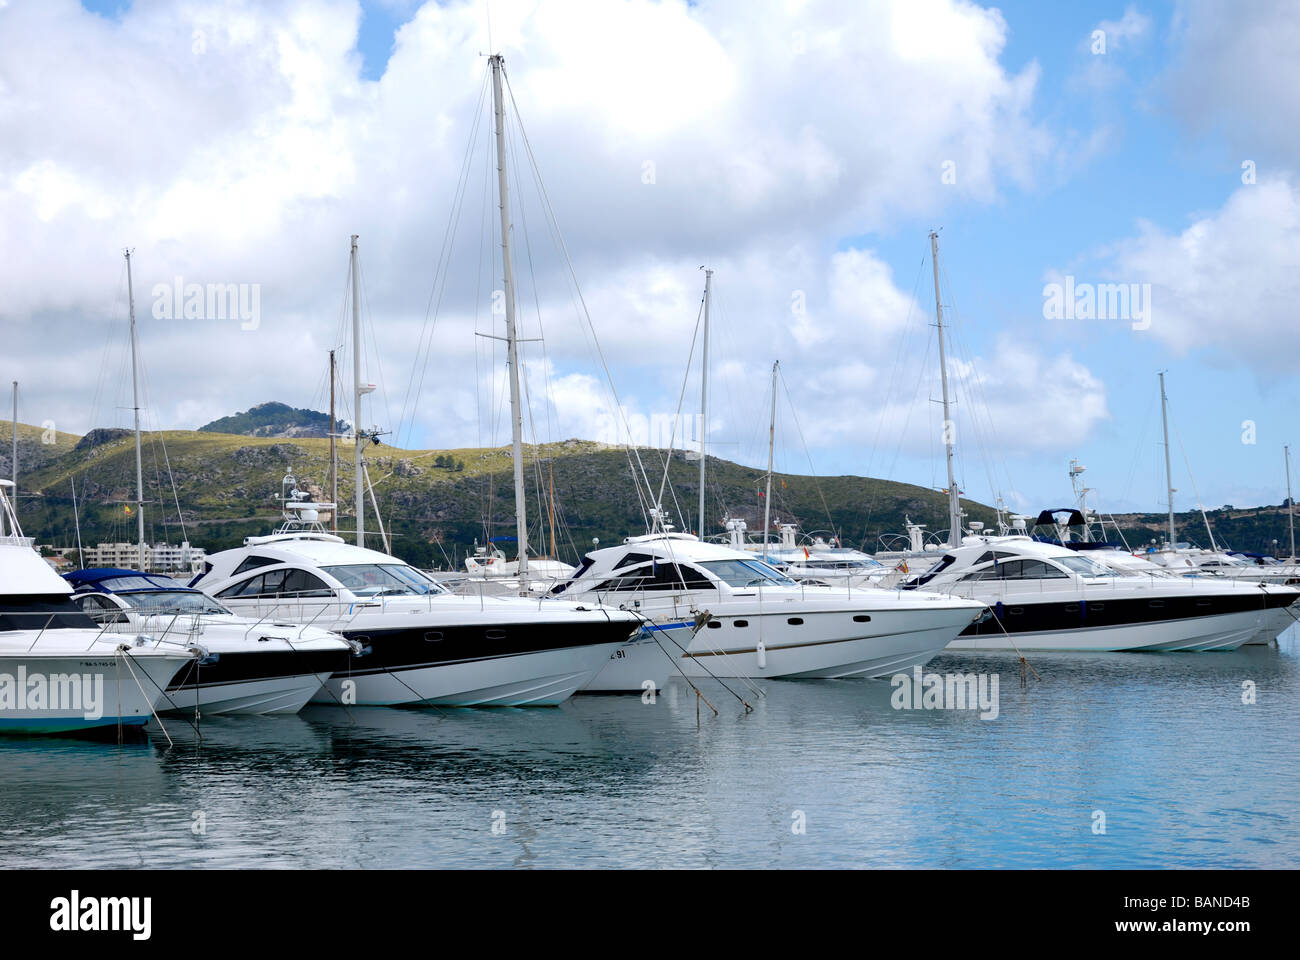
(159, 558)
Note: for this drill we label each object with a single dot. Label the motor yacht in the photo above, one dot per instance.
(258, 666)
(761, 623)
(59, 672)
(422, 644)
(1045, 597)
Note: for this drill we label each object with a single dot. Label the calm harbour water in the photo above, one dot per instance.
(1185, 773)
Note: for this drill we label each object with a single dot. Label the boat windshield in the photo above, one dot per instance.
(383, 580)
(151, 602)
(747, 573)
(1084, 566)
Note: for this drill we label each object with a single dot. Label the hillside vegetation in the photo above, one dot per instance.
(275, 420)
(435, 503)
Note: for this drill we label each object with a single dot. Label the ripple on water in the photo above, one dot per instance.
(1184, 773)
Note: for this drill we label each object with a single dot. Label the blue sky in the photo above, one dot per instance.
(1093, 165)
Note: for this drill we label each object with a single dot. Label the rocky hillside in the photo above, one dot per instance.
(274, 420)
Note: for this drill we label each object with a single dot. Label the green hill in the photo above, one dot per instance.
(274, 420)
(434, 502)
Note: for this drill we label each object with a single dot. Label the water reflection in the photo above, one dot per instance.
(1185, 773)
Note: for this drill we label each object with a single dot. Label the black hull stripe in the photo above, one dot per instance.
(1015, 616)
(363, 672)
(258, 665)
(416, 648)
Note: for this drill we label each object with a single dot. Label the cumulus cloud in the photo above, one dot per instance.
(1236, 73)
(236, 142)
(1226, 283)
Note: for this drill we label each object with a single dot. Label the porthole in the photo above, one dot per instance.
(714, 624)
(740, 623)
(861, 618)
(795, 621)
(433, 635)
(495, 634)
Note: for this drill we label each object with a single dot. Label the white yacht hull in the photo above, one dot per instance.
(273, 695)
(652, 657)
(119, 692)
(1226, 631)
(1276, 622)
(891, 642)
(538, 679)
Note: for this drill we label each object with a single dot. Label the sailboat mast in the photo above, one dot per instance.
(13, 463)
(76, 519)
(550, 506)
(512, 342)
(334, 462)
(704, 393)
(356, 399)
(954, 496)
(1169, 470)
(135, 405)
(771, 445)
(1290, 507)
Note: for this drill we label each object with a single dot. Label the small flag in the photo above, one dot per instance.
(127, 508)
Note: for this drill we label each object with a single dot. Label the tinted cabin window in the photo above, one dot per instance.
(587, 561)
(265, 585)
(1007, 570)
(272, 583)
(237, 589)
(41, 612)
(632, 558)
(300, 583)
(252, 563)
(669, 576)
(103, 611)
(1039, 570)
(628, 581)
(933, 572)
